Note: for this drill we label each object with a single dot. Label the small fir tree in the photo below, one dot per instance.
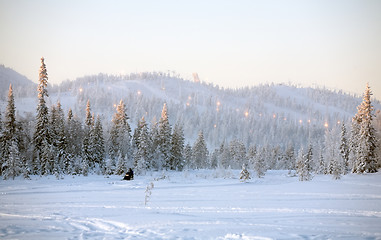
(303, 167)
(188, 155)
(11, 168)
(290, 157)
(11, 153)
(237, 153)
(200, 152)
(321, 168)
(245, 174)
(121, 165)
(224, 159)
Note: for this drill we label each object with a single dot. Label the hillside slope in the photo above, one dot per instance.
(264, 114)
(20, 83)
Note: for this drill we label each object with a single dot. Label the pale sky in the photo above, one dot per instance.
(335, 43)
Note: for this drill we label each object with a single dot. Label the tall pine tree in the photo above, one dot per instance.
(98, 143)
(87, 146)
(200, 152)
(120, 139)
(344, 149)
(164, 138)
(365, 137)
(41, 138)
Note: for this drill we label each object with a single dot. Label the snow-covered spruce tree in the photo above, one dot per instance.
(61, 141)
(344, 149)
(11, 154)
(300, 159)
(308, 162)
(56, 161)
(74, 136)
(177, 148)
(290, 157)
(110, 166)
(41, 138)
(11, 168)
(187, 155)
(135, 138)
(10, 116)
(353, 143)
(23, 136)
(274, 157)
(120, 139)
(62, 159)
(332, 155)
(251, 152)
(164, 138)
(213, 158)
(1, 144)
(245, 174)
(224, 156)
(199, 152)
(335, 168)
(156, 162)
(377, 126)
(259, 164)
(366, 137)
(303, 167)
(142, 158)
(87, 147)
(9, 130)
(321, 166)
(121, 164)
(237, 153)
(98, 143)
(70, 133)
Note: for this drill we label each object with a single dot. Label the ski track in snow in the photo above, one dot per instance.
(189, 207)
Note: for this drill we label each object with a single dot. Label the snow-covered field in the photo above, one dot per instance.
(191, 205)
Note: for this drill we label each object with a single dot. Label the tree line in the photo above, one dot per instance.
(53, 144)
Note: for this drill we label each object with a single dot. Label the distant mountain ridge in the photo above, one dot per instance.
(265, 114)
(19, 82)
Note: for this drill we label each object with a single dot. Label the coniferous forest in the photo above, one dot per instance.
(59, 143)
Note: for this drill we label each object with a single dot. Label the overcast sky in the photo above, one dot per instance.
(332, 43)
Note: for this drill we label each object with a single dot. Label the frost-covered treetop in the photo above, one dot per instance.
(43, 80)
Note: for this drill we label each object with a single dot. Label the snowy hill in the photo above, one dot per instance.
(20, 83)
(264, 114)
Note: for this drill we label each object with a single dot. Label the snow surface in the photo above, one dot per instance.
(191, 205)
